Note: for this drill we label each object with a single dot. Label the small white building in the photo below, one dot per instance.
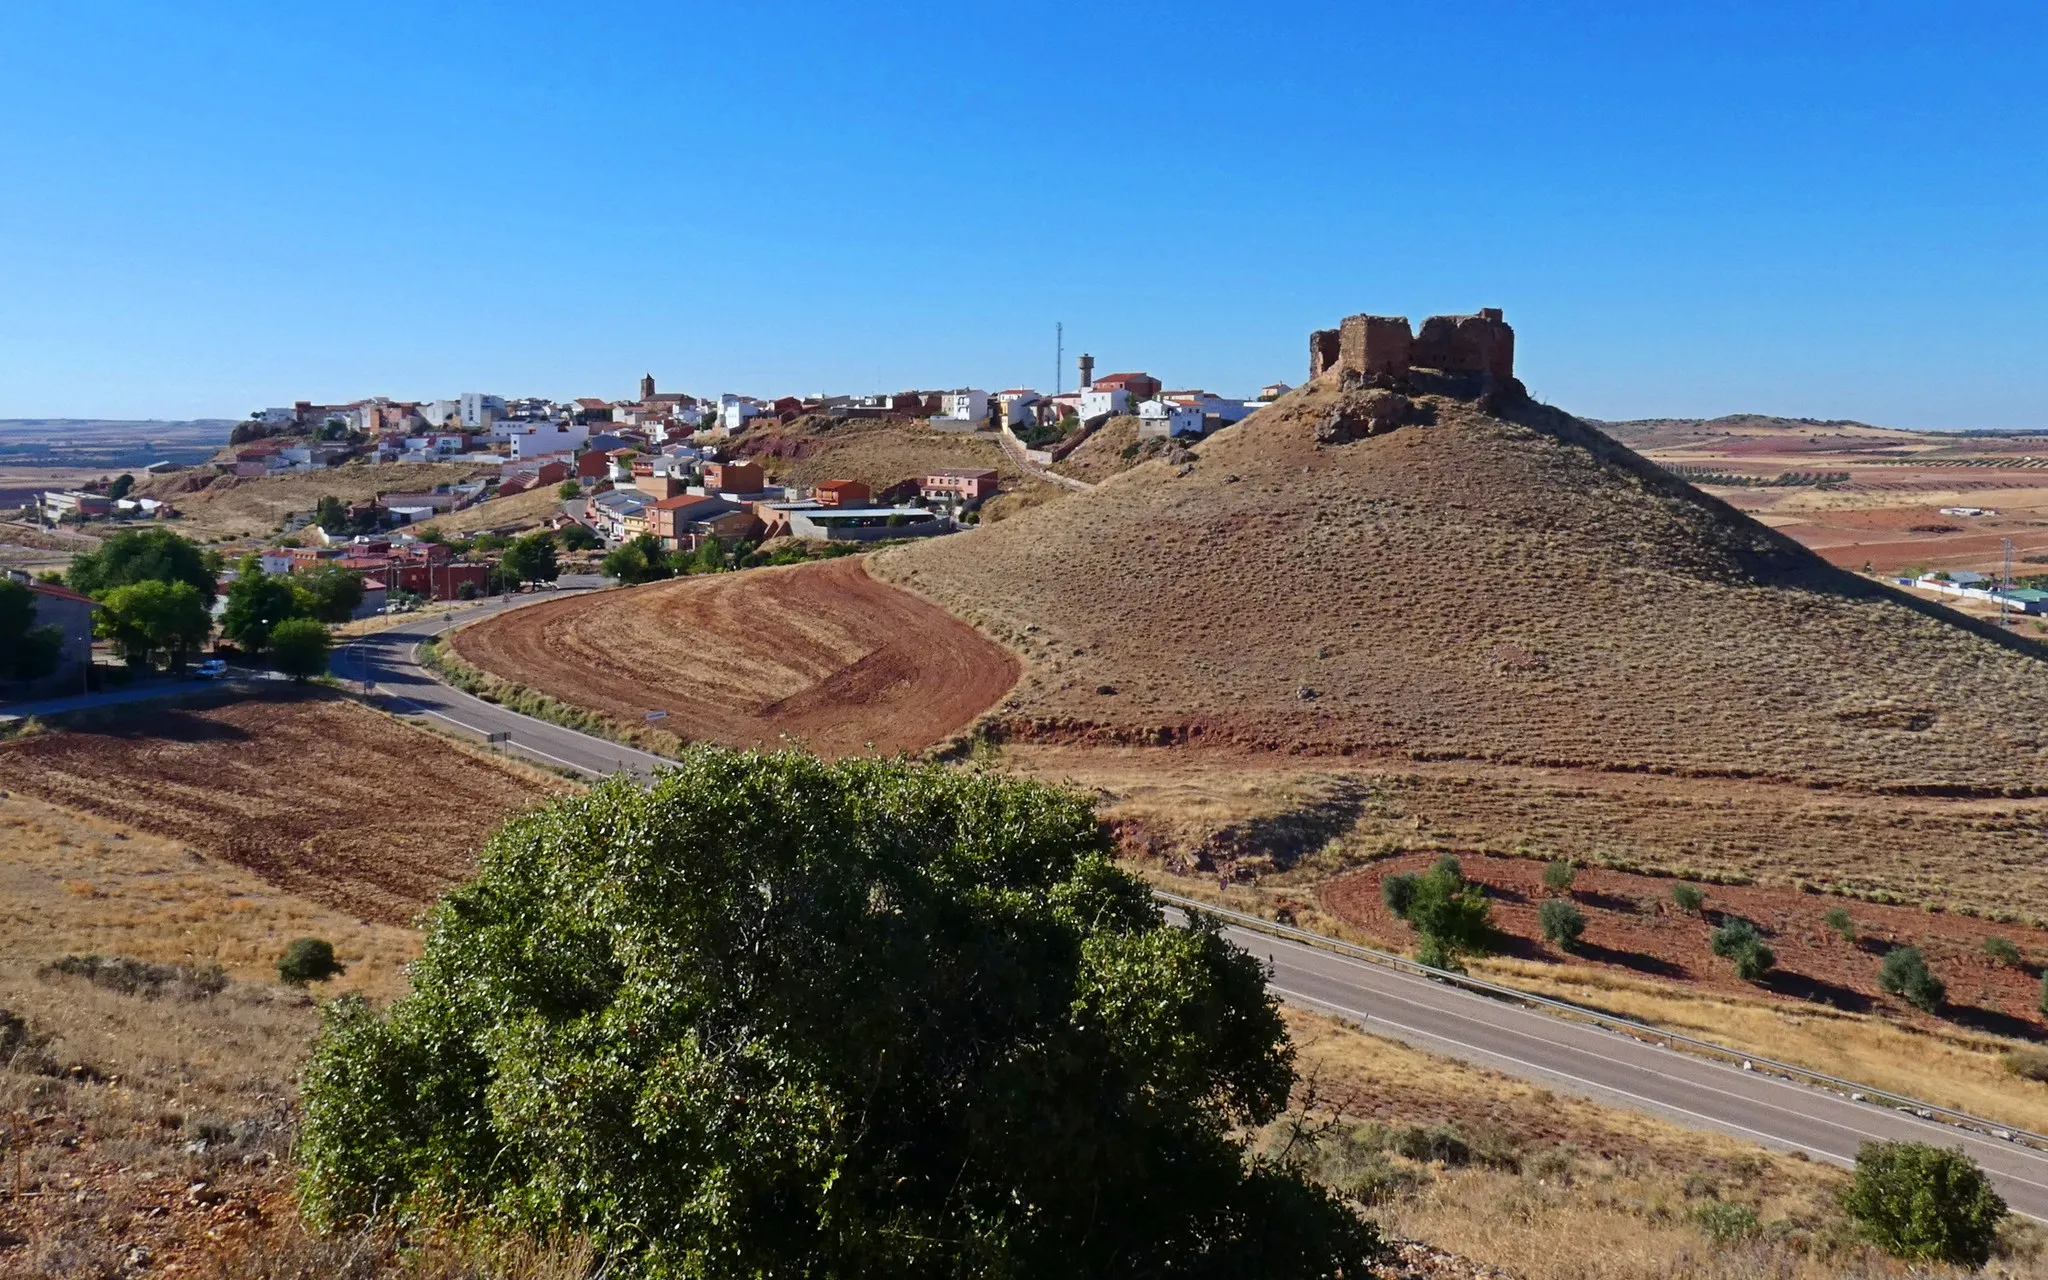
(436, 413)
(479, 410)
(1104, 404)
(1018, 405)
(733, 411)
(965, 405)
(537, 438)
(1166, 419)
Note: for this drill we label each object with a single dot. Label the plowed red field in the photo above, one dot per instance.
(818, 654)
(316, 795)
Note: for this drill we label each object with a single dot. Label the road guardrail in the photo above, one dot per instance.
(1854, 1091)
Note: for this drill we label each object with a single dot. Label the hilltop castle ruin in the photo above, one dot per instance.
(1481, 344)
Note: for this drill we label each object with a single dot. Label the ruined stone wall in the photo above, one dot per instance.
(1481, 344)
(1323, 351)
(1476, 344)
(1375, 344)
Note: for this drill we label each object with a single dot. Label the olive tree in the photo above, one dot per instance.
(773, 1016)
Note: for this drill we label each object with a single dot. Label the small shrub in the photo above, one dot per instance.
(1754, 961)
(1904, 973)
(1558, 875)
(1688, 898)
(1398, 892)
(1838, 922)
(2042, 1004)
(2004, 951)
(1924, 1204)
(1725, 1223)
(1442, 1143)
(1734, 934)
(1563, 923)
(2028, 1064)
(1378, 1181)
(140, 978)
(1737, 940)
(309, 960)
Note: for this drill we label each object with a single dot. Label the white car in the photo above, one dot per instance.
(211, 669)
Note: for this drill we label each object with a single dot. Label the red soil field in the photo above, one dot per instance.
(818, 654)
(1633, 927)
(318, 796)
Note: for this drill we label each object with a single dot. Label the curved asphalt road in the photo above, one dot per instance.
(1607, 1067)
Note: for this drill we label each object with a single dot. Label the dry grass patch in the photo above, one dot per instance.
(241, 507)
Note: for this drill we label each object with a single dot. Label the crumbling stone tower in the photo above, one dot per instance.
(1476, 345)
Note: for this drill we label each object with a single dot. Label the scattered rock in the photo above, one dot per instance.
(1360, 414)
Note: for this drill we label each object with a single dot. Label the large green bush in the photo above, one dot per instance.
(1924, 1203)
(1904, 973)
(1563, 924)
(771, 1016)
(1450, 916)
(1737, 940)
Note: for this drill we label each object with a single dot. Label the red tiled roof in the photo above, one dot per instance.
(61, 593)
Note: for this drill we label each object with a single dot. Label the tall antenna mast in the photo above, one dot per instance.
(2005, 586)
(1059, 354)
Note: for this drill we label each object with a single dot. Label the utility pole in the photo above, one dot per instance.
(1059, 354)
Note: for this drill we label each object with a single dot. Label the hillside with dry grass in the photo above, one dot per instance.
(878, 452)
(1513, 588)
(237, 506)
(1113, 448)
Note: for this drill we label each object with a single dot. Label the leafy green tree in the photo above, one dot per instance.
(257, 603)
(637, 561)
(150, 618)
(299, 647)
(1904, 973)
(568, 489)
(331, 514)
(1563, 923)
(122, 486)
(327, 592)
(577, 537)
(1450, 916)
(773, 1016)
(532, 558)
(709, 557)
(1737, 940)
(144, 555)
(1398, 892)
(27, 651)
(1924, 1204)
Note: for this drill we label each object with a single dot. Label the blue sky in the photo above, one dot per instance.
(1832, 210)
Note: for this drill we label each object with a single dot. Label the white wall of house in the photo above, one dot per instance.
(1165, 418)
(1101, 404)
(548, 437)
(965, 405)
(479, 410)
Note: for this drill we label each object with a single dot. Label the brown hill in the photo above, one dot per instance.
(1509, 586)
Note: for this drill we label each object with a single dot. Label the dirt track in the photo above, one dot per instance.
(316, 795)
(818, 654)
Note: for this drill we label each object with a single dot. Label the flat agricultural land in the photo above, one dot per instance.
(1887, 513)
(312, 794)
(819, 654)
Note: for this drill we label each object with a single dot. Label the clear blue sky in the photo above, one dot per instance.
(1825, 209)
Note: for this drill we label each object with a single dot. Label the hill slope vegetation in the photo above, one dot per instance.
(1515, 587)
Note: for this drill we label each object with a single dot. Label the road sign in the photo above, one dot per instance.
(503, 735)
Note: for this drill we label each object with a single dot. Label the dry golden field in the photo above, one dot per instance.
(519, 511)
(149, 1114)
